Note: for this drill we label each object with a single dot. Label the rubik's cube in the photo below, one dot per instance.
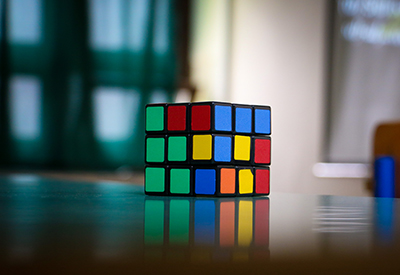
(207, 148)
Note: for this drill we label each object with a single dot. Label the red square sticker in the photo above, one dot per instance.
(201, 118)
(262, 151)
(176, 118)
(262, 181)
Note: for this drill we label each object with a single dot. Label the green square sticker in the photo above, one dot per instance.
(177, 149)
(155, 118)
(180, 181)
(155, 179)
(155, 149)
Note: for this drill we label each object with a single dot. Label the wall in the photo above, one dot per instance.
(278, 58)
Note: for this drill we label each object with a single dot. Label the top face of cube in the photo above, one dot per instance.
(208, 117)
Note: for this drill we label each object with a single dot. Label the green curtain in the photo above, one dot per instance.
(76, 75)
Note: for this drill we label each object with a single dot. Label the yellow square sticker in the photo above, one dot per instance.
(242, 148)
(245, 181)
(202, 147)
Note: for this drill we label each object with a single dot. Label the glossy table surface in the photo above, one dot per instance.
(71, 227)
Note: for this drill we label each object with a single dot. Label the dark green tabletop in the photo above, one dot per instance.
(66, 227)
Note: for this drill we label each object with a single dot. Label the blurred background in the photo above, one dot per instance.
(75, 77)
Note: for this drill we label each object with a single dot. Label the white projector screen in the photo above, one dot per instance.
(365, 76)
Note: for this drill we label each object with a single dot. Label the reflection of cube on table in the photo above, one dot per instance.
(207, 148)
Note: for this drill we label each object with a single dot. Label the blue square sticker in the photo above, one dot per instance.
(223, 118)
(205, 181)
(222, 148)
(262, 121)
(243, 120)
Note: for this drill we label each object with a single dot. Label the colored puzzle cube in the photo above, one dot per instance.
(207, 149)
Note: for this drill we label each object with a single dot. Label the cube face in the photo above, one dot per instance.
(245, 181)
(262, 151)
(242, 148)
(155, 179)
(180, 179)
(223, 118)
(177, 149)
(262, 121)
(227, 181)
(155, 149)
(243, 119)
(207, 149)
(222, 148)
(177, 118)
(201, 118)
(155, 121)
(205, 180)
(262, 181)
(202, 147)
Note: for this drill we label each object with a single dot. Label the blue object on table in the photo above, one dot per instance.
(384, 177)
